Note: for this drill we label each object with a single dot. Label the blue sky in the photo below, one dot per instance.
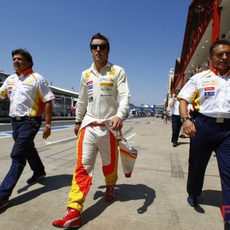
(145, 36)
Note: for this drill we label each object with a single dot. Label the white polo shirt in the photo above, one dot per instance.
(174, 108)
(209, 92)
(100, 92)
(27, 94)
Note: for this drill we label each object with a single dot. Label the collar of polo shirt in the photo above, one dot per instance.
(25, 72)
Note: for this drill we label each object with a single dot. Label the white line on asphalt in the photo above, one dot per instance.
(54, 142)
(71, 138)
(129, 137)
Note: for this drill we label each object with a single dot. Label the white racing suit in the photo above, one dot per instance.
(96, 106)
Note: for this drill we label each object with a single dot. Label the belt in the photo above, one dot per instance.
(97, 124)
(17, 119)
(214, 119)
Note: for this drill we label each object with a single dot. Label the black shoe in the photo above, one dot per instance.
(35, 178)
(174, 144)
(192, 200)
(4, 203)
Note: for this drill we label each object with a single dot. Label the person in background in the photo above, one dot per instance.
(101, 86)
(209, 91)
(176, 122)
(29, 96)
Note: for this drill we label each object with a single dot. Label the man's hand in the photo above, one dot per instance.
(46, 132)
(116, 123)
(76, 129)
(189, 128)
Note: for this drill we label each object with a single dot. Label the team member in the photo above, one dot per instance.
(101, 85)
(210, 93)
(176, 122)
(29, 96)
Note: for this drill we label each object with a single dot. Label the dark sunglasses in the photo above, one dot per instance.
(101, 47)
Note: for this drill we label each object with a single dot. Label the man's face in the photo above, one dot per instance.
(99, 50)
(20, 63)
(221, 58)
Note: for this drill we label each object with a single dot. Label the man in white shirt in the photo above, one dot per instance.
(209, 91)
(176, 122)
(99, 119)
(29, 97)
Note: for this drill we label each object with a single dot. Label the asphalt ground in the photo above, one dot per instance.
(153, 198)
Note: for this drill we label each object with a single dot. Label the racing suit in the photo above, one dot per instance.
(96, 106)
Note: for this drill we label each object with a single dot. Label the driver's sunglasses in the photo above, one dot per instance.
(100, 46)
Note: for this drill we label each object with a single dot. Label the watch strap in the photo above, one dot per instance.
(183, 119)
(48, 126)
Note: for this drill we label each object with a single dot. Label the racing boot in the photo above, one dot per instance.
(71, 220)
(109, 193)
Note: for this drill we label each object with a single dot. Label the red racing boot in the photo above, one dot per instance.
(109, 193)
(72, 219)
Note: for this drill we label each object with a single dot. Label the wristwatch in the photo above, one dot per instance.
(48, 126)
(77, 122)
(183, 119)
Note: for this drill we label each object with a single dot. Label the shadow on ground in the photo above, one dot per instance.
(124, 192)
(50, 183)
(211, 197)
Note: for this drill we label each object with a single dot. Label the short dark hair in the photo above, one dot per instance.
(100, 36)
(24, 53)
(218, 42)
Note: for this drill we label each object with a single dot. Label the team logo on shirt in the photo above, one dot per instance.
(30, 80)
(208, 82)
(90, 90)
(87, 75)
(209, 91)
(89, 86)
(89, 82)
(106, 84)
(112, 71)
(10, 88)
(209, 88)
(107, 81)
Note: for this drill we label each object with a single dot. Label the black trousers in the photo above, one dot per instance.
(210, 136)
(176, 126)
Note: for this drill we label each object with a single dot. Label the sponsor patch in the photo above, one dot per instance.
(209, 93)
(112, 71)
(105, 95)
(90, 87)
(209, 83)
(30, 80)
(106, 84)
(209, 88)
(87, 75)
(89, 82)
(106, 89)
(90, 94)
